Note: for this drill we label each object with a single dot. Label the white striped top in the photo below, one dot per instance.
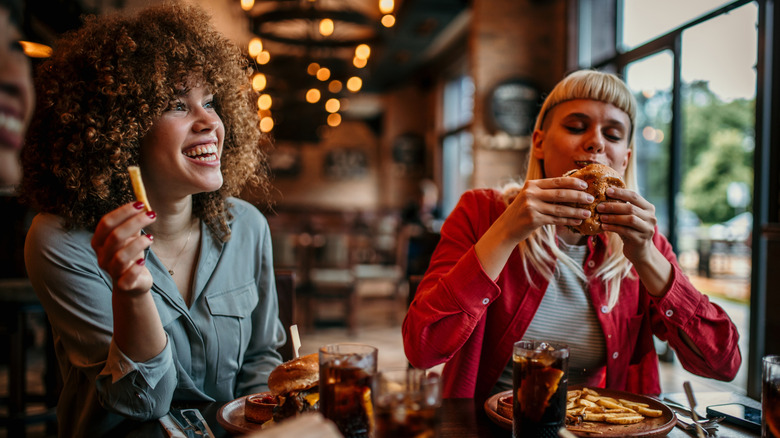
(567, 316)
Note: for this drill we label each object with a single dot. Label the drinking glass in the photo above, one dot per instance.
(770, 397)
(346, 377)
(540, 381)
(406, 403)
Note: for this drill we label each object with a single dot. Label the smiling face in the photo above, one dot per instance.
(180, 155)
(16, 86)
(580, 132)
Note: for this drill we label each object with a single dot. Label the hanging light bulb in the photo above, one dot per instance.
(264, 102)
(36, 50)
(313, 95)
(386, 6)
(326, 27)
(354, 84)
(255, 47)
(313, 68)
(266, 124)
(263, 57)
(323, 74)
(334, 119)
(335, 86)
(247, 4)
(388, 20)
(259, 82)
(332, 105)
(363, 51)
(359, 62)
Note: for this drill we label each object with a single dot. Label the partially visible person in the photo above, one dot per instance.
(16, 108)
(509, 266)
(419, 231)
(16, 92)
(149, 308)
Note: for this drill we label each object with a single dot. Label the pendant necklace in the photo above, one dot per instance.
(176, 261)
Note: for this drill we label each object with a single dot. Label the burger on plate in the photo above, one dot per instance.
(295, 384)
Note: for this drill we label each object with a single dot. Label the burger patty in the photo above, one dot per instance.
(296, 403)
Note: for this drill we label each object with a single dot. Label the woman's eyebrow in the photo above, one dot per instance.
(585, 116)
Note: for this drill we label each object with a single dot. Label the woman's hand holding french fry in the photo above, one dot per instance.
(120, 246)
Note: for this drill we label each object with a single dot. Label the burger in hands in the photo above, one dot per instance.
(599, 177)
(295, 384)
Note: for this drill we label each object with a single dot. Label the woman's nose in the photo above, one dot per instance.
(206, 121)
(595, 144)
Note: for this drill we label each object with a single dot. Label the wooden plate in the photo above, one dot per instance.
(650, 427)
(231, 417)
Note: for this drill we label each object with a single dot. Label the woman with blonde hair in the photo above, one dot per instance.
(166, 301)
(509, 267)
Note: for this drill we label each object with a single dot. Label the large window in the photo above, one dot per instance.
(691, 66)
(457, 164)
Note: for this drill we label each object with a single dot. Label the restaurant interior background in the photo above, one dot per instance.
(444, 101)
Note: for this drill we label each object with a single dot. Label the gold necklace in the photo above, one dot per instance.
(176, 261)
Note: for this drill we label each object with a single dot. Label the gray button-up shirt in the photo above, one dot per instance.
(220, 348)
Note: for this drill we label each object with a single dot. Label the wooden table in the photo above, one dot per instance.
(462, 418)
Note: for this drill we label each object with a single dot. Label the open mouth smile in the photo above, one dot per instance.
(205, 153)
(11, 128)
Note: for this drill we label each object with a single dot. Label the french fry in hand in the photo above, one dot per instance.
(138, 186)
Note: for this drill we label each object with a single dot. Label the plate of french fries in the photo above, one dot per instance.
(598, 412)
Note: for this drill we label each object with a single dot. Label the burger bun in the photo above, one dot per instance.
(599, 177)
(295, 375)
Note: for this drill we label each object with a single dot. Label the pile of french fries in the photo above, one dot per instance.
(587, 405)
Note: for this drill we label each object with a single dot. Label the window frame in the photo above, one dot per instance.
(606, 27)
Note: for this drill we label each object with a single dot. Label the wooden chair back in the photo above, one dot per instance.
(285, 291)
(414, 282)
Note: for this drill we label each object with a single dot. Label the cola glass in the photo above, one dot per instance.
(770, 397)
(540, 381)
(346, 378)
(407, 403)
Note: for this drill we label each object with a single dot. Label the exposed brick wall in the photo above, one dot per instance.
(511, 39)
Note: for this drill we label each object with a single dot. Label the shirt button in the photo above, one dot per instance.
(485, 301)
(591, 263)
(615, 355)
(669, 313)
(604, 309)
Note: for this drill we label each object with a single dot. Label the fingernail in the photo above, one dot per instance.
(610, 191)
(138, 205)
(589, 198)
(151, 214)
(140, 262)
(150, 237)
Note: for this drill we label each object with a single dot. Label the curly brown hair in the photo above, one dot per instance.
(102, 90)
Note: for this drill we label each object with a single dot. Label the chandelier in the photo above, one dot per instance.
(312, 55)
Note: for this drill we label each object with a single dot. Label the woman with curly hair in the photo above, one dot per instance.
(171, 301)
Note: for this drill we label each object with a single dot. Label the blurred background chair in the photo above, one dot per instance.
(26, 404)
(285, 291)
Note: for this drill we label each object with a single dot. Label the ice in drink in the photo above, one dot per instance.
(540, 382)
(406, 404)
(346, 377)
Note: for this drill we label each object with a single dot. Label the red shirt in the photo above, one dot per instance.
(462, 317)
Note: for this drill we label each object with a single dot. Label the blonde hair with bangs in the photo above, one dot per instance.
(540, 248)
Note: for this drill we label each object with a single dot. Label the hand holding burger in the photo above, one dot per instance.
(599, 177)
